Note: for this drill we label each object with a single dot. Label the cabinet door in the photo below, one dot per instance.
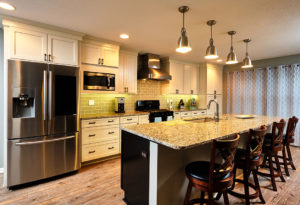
(90, 53)
(28, 45)
(214, 80)
(187, 80)
(121, 74)
(131, 74)
(194, 79)
(110, 56)
(62, 50)
(176, 71)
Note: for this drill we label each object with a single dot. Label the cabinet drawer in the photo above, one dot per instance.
(100, 150)
(129, 119)
(102, 134)
(176, 115)
(185, 114)
(100, 122)
(143, 119)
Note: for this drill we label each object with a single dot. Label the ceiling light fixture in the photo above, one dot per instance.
(7, 6)
(211, 51)
(183, 41)
(247, 63)
(124, 36)
(231, 58)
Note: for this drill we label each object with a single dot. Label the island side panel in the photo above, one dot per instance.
(171, 180)
(135, 169)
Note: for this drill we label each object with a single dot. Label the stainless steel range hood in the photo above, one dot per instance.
(149, 68)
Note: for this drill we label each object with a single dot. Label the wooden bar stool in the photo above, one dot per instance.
(287, 139)
(272, 145)
(249, 160)
(215, 175)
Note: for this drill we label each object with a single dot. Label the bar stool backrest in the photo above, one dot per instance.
(225, 149)
(290, 131)
(277, 133)
(255, 143)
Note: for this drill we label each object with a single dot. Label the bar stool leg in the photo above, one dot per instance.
(210, 198)
(246, 185)
(290, 157)
(202, 197)
(279, 168)
(234, 179)
(258, 186)
(226, 200)
(285, 161)
(188, 194)
(272, 173)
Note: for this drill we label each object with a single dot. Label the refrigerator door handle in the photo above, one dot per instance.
(45, 85)
(50, 95)
(43, 141)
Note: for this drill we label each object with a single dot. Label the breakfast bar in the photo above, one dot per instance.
(154, 155)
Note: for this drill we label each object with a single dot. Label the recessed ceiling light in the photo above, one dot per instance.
(7, 6)
(219, 60)
(124, 36)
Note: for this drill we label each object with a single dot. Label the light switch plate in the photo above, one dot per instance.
(91, 102)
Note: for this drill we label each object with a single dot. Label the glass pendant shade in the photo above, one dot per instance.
(231, 57)
(247, 63)
(211, 51)
(183, 44)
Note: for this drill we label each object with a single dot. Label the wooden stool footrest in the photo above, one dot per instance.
(243, 196)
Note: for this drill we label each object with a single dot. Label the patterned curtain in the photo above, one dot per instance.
(273, 91)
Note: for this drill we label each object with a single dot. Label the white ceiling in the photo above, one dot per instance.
(154, 25)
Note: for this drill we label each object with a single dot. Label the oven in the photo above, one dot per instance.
(98, 81)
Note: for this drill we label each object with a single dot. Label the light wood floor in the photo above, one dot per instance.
(100, 184)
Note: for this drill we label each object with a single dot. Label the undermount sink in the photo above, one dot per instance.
(199, 120)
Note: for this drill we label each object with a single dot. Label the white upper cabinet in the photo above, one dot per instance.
(190, 74)
(32, 43)
(100, 54)
(184, 77)
(62, 50)
(176, 84)
(211, 79)
(127, 73)
(28, 45)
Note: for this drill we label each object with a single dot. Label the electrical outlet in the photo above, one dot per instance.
(91, 102)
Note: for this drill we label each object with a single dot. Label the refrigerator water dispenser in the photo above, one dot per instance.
(23, 105)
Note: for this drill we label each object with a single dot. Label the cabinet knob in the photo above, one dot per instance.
(177, 91)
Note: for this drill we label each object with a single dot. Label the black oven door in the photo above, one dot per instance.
(99, 81)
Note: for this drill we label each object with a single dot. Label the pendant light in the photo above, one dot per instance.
(183, 41)
(247, 63)
(231, 58)
(211, 51)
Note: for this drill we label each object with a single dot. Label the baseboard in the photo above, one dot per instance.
(1, 170)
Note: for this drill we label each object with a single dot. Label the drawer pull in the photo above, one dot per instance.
(110, 121)
(91, 152)
(92, 123)
(93, 135)
(129, 119)
(111, 147)
(111, 133)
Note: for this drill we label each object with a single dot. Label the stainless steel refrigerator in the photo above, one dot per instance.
(42, 121)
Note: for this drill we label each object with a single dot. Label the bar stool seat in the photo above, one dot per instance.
(200, 170)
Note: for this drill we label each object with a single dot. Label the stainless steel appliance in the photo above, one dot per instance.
(98, 81)
(155, 113)
(42, 121)
(119, 104)
(149, 68)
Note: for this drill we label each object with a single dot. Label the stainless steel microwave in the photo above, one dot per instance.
(98, 81)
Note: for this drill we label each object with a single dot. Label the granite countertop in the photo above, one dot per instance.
(112, 114)
(181, 134)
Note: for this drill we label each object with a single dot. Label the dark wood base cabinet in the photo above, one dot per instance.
(135, 169)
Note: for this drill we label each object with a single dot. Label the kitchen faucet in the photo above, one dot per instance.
(217, 118)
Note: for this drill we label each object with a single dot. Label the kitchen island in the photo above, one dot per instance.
(154, 155)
